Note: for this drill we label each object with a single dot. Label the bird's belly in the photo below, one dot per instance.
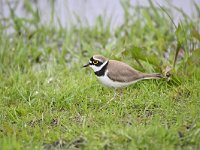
(110, 83)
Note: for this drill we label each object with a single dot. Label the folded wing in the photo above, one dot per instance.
(122, 72)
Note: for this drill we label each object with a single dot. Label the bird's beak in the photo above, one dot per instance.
(86, 65)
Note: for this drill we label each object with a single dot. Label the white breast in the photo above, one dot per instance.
(110, 83)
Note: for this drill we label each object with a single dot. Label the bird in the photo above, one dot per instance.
(117, 74)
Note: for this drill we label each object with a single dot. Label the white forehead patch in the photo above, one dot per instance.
(98, 59)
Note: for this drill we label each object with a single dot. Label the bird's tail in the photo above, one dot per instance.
(152, 76)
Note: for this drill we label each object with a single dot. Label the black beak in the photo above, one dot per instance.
(86, 65)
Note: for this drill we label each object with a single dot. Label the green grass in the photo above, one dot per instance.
(59, 104)
(47, 101)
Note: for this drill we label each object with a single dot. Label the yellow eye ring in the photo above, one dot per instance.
(95, 62)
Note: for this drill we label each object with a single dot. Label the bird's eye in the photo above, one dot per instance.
(95, 62)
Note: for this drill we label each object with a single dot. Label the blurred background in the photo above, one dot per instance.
(71, 12)
(151, 32)
(48, 102)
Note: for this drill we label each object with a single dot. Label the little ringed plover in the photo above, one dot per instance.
(117, 74)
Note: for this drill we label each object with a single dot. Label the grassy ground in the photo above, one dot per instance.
(47, 101)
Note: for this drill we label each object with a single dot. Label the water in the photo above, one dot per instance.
(88, 10)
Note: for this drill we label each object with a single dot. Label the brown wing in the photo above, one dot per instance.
(122, 72)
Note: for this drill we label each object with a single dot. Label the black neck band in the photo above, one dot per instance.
(102, 71)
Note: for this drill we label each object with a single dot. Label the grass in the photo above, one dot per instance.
(49, 102)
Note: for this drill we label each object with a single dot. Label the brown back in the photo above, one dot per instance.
(122, 72)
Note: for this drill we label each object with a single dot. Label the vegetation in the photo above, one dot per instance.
(47, 101)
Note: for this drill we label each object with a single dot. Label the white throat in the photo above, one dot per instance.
(98, 68)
